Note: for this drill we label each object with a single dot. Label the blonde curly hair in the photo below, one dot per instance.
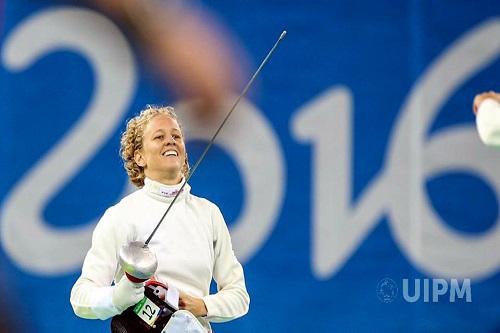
(132, 140)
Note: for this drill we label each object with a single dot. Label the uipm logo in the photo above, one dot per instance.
(439, 288)
(431, 290)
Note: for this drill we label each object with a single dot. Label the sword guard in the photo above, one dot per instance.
(138, 261)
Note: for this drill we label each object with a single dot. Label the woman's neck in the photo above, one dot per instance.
(166, 180)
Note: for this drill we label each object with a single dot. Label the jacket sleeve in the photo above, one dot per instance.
(232, 299)
(91, 295)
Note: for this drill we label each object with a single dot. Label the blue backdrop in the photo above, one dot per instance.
(354, 162)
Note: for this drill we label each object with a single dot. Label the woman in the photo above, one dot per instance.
(193, 244)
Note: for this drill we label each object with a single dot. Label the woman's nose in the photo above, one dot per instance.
(170, 139)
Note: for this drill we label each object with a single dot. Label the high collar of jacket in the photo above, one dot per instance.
(165, 193)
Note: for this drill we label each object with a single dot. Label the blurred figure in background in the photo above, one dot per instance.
(185, 45)
(486, 106)
(13, 317)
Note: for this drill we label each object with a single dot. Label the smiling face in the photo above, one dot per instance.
(163, 153)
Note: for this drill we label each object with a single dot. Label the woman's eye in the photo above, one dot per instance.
(159, 137)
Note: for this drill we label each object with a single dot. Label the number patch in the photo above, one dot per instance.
(147, 311)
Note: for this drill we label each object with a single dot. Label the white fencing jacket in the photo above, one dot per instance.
(193, 245)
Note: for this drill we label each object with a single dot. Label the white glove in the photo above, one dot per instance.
(126, 294)
(488, 122)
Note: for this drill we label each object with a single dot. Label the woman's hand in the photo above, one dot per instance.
(192, 304)
(481, 97)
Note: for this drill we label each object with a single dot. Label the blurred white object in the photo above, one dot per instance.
(183, 321)
(488, 122)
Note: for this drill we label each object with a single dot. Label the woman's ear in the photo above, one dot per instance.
(139, 159)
